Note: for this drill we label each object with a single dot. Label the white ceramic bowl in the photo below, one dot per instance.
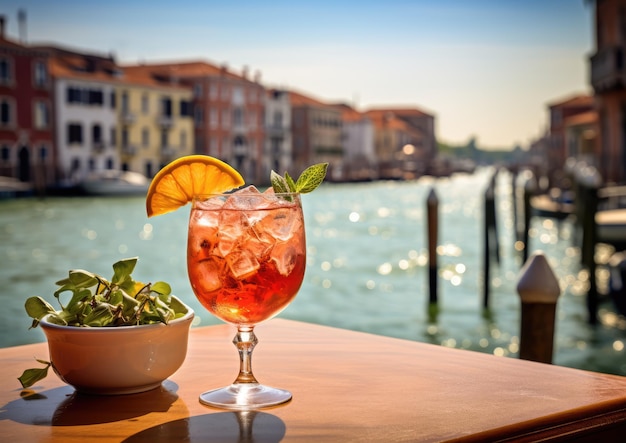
(117, 360)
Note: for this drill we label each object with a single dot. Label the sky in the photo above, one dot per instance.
(486, 69)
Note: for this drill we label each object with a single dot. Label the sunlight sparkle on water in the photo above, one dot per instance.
(385, 269)
(354, 217)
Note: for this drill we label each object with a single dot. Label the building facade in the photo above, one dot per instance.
(608, 79)
(278, 140)
(317, 135)
(26, 118)
(155, 122)
(359, 161)
(85, 114)
(227, 109)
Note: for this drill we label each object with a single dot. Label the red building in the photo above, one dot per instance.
(26, 126)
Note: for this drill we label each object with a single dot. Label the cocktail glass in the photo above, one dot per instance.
(246, 254)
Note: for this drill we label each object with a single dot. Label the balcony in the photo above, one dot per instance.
(276, 130)
(129, 150)
(165, 121)
(128, 118)
(607, 69)
(168, 152)
(98, 147)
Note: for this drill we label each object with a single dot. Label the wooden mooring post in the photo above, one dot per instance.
(530, 189)
(588, 184)
(539, 290)
(432, 210)
(491, 245)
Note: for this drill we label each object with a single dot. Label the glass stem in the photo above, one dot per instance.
(245, 341)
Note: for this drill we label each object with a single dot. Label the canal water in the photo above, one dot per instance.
(367, 266)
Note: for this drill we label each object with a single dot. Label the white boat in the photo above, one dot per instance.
(113, 182)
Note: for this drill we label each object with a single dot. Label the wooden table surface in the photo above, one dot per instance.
(347, 386)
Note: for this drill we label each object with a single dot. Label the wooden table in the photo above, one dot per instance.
(347, 386)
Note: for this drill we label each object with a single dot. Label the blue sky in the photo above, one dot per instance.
(484, 68)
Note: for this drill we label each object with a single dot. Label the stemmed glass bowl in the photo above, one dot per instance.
(246, 255)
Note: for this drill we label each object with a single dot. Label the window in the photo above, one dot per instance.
(197, 90)
(145, 137)
(42, 118)
(5, 153)
(113, 136)
(5, 71)
(96, 134)
(213, 92)
(185, 108)
(198, 116)
(6, 113)
(41, 74)
(278, 119)
(213, 118)
(85, 96)
(166, 106)
(43, 153)
(238, 117)
(112, 99)
(74, 133)
(252, 119)
(225, 118)
(144, 103)
(124, 137)
(125, 101)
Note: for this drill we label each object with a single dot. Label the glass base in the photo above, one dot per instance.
(245, 396)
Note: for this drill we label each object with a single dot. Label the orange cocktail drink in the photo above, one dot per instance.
(246, 254)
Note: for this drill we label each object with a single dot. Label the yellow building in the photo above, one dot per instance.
(155, 123)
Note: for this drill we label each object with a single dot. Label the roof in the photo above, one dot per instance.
(577, 100)
(189, 69)
(65, 63)
(402, 111)
(584, 118)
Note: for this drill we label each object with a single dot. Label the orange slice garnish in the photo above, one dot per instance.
(177, 183)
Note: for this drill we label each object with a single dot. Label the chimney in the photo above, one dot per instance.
(2, 19)
(244, 72)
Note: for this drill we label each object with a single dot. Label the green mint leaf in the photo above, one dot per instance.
(31, 376)
(37, 308)
(290, 182)
(278, 183)
(311, 178)
(123, 269)
(161, 287)
(82, 279)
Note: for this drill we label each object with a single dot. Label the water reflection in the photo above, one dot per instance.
(240, 426)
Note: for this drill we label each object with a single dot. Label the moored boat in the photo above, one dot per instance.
(113, 182)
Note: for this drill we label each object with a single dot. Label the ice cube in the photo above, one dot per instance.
(259, 244)
(284, 256)
(245, 199)
(202, 242)
(209, 204)
(207, 275)
(280, 223)
(232, 227)
(242, 263)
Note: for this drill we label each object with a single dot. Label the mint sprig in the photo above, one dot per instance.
(309, 180)
(98, 302)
